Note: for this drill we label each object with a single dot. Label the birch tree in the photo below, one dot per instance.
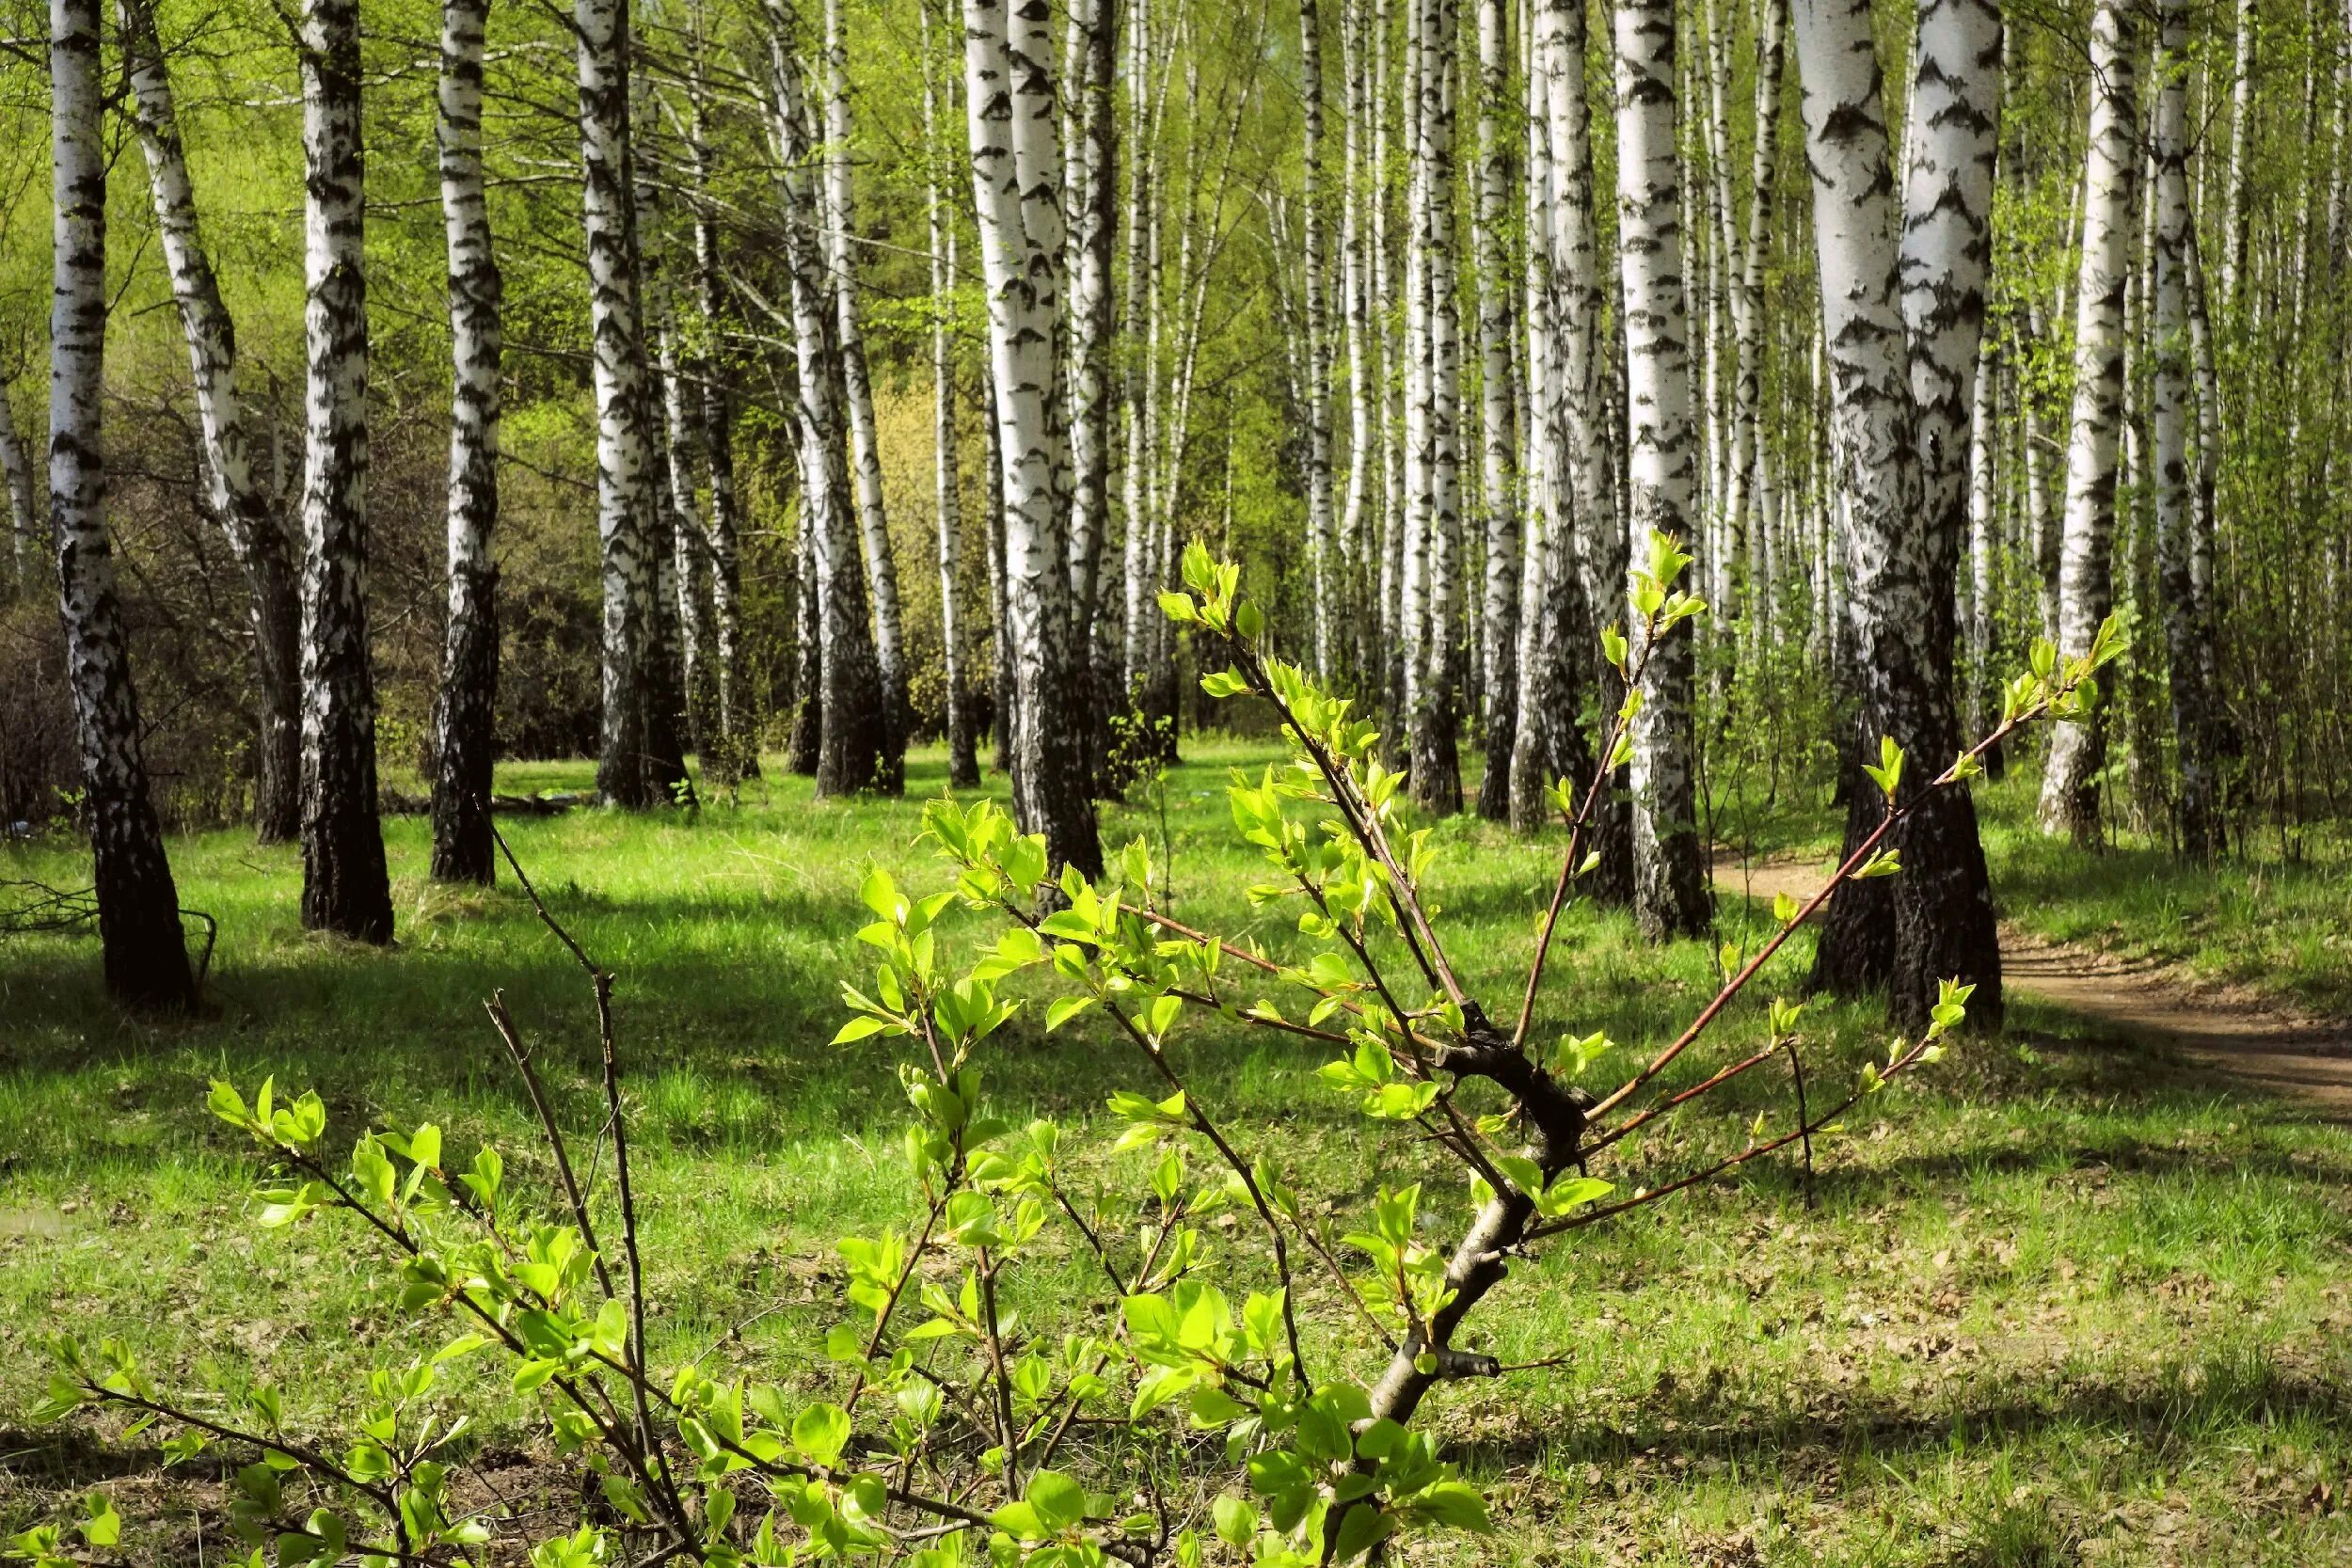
(1670, 894)
(1498, 624)
(463, 734)
(713, 405)
(2186, 628)
(1016, 176)
(1433, 524)
(1554, 617)
(243, 506)
(1901, 330)
(139, 907)
(1322, 531)
(1092, 190)
(345, 886)
(881, 570)
(628, 770)
(964, 765)
(2069, 784)
(852, 739)
(16, 477)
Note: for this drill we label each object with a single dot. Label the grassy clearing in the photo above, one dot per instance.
(2059, 1303)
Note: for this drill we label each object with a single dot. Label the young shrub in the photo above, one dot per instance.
(1180, 1412)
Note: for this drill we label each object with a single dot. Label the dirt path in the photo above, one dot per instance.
(2145, 1001)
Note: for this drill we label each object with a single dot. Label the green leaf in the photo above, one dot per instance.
(1060, 1503)
(821, 1433)
(1065, 1009)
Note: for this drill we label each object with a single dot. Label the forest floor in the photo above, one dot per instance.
(2229, 1029)
(2070, 1297)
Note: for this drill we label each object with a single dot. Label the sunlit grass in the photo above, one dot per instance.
(2057, 1304)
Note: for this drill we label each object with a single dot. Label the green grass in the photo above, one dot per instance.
(2059, 1303)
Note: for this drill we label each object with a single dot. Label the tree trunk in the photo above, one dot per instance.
(1555, 632)
(1982, 606)
(465, 738)
(1903, 360)
(738, 744)
(1498, 624)
(1748, 496)
(804, 747)
(1670, 894)
(2069, 784)
(1093, 191)
(16, 475)
(344, 887)
(627, 771)
(689, 603)
(138, 908)
(2186, 626)
(246, 513)
(1000, 617)
(853, 726)
(1322, 540)
(963, 762)
(1016, 176)
(1433, 529)
(2234, 214)
(881, 571)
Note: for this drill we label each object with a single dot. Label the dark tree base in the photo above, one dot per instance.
(146, 954)
(344, 887)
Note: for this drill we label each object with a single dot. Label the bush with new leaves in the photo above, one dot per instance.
(948, 1429)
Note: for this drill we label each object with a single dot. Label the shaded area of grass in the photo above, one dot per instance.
(2060, 1303)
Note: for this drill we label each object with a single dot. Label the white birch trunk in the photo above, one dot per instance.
(627, 770)
(852, 739)
(881, 571)
(964, 767)
(464, 735)
(1498, 621)
(16, 476)
(2234, 214)
(1902, 361)
(139, 907)
(1016, 178)
(1669, 862)
(1321, 530)
(2186, 628)
(2070, 785)
(344, 887)
(241, 503)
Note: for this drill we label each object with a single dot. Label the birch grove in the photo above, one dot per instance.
(882, 462)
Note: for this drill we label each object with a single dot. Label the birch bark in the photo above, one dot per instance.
(1499, 618)
(852, 728)
(627, 771)
(16, 475)
(964, 765)
(2070, 785)
(881, 571)
(1901, 333)
(1016, 178)
(463, 734)
(1670, 894)
(2185, 625)
(344, 887)
(241, 503)
(1321, 530)
(139, 907)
